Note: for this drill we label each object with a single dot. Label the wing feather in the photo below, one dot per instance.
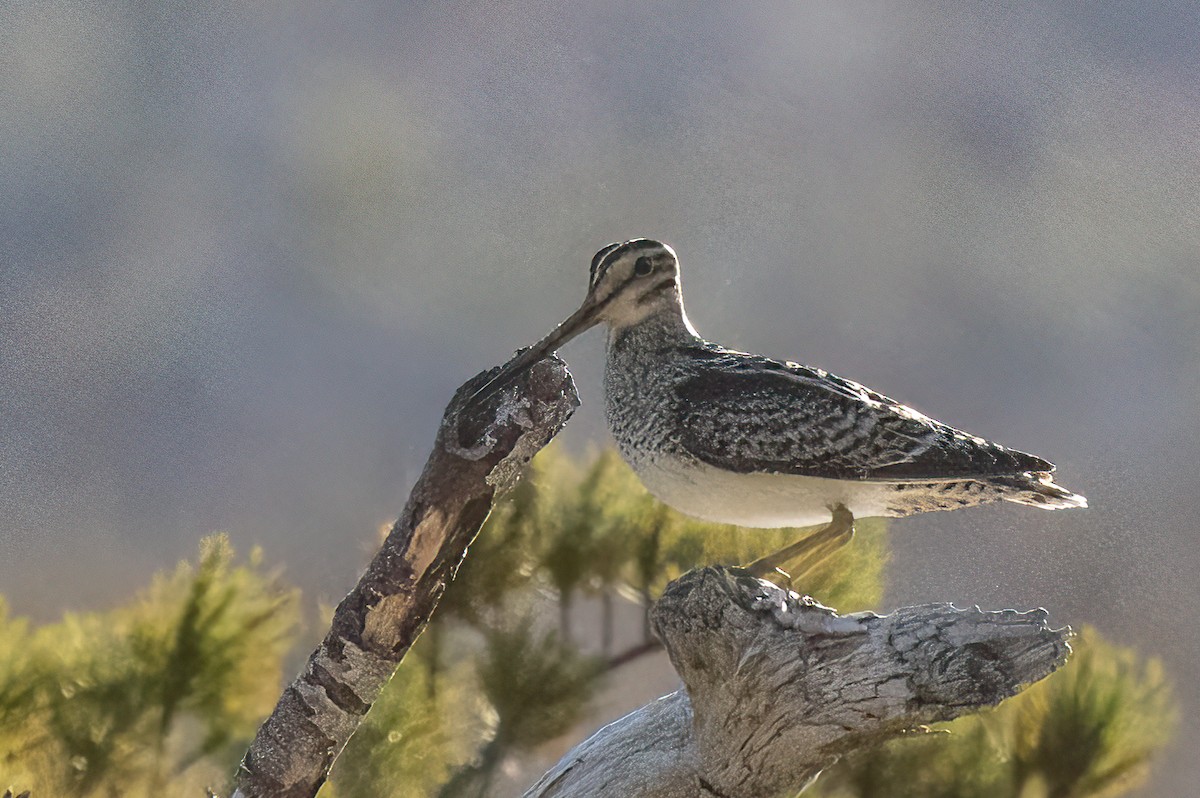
(745, 413)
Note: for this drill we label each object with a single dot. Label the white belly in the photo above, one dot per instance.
(758, 500)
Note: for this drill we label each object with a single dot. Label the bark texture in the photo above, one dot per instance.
(482, 445)
(778, 687)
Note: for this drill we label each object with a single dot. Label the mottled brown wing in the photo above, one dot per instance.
(749, 414)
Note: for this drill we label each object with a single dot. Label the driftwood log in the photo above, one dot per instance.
(778, 687)
(482, 446)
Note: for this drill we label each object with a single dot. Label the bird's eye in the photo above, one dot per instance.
(643, 266)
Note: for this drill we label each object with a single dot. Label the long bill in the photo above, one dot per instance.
(578, 322)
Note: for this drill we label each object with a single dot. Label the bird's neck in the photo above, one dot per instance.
(666, 326)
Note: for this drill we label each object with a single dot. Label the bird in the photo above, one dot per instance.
(739, 438)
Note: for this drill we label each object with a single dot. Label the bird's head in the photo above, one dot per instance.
(628, 282)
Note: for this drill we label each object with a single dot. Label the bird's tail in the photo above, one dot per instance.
(1038, 489)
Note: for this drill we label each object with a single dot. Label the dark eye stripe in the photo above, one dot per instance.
(605, 257)
(597, 259)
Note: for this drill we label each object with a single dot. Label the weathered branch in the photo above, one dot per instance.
(482, 445)
(778, 687)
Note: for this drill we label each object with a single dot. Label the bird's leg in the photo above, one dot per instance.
(808, 552)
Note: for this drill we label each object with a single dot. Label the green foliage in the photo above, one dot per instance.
(162, 693)
(573, 530)
(1088, 731)
(412, 738)
(160, 697)
(18, 677)
(500, 561)
(596, 529)
(538, 685)
(1091, 730)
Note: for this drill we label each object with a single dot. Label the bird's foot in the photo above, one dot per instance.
(796, 561)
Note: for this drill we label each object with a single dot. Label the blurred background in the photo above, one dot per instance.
(249, 251)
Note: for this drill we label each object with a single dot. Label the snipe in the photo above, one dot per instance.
(743, 439)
